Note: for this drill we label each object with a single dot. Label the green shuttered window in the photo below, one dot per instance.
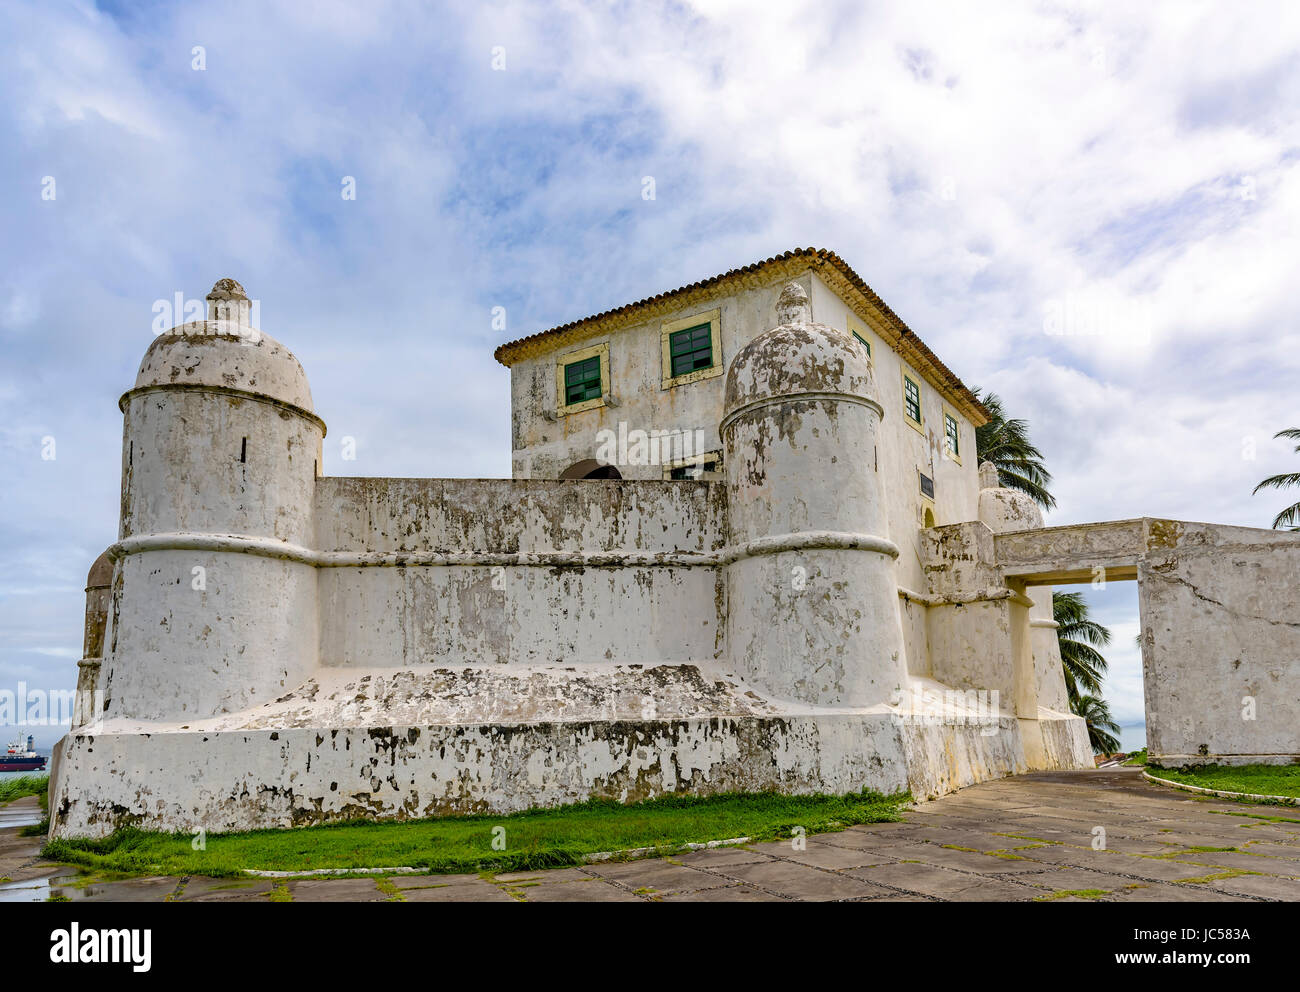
(912, 400)
(691, 349)
(582, 381)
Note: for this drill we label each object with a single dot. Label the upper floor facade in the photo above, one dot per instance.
(638, 392)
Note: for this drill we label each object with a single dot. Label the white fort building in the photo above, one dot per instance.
(747, 545)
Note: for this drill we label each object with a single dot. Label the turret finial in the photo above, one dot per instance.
(792, 305)
(227, 301)
(989, 476)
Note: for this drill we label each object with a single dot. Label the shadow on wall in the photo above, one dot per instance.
(589, 468)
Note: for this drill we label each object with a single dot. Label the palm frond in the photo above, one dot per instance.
(1290, 516)
(1102, 728)
(1070, 611)
(1291, 433)
(1083, 666)
(1278, 482)
(1004, 442)
(1079, 655)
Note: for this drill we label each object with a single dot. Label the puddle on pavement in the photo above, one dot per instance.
(11, 818)
(33, 889)
(40, 889)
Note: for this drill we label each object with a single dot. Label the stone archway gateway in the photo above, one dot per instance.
(1220, 615)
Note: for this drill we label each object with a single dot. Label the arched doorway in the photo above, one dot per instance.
(589, 468)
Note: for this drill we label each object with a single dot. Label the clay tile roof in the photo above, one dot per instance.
(827, 263)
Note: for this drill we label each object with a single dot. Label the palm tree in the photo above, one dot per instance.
(1290, 517)
(1079, 636)
(1102, 727)
(1006, 444)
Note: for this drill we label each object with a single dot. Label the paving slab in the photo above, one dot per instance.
(969, 861)
(981, 839)
(803, 882)
(336, 890)
(1075, 880)
(1160, 892)
(1288, 852)
(1246, 862)
(657, 877)
(199, 888)
(737, 892)
(863, 841)
(1078, 857)
(425, 881)
(944, 883)
(719, 856)
(586, 889)
(476, 891)
(836, 857)
(1261, 886)
(1160, 870)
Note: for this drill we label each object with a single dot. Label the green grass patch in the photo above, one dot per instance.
(23, 785)
(1077, 893)
(280, 893)
(388, 888)
(531, 840)
(1137, 758)
(1037, 841)
(1226, 873)
(1254, 816)
(1262, 780)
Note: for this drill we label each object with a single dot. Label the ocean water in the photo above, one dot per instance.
(1133, 738)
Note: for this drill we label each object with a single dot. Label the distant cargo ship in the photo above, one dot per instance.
(20, 758)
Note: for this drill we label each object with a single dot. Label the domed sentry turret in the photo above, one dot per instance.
(812, 599)
(215, 608)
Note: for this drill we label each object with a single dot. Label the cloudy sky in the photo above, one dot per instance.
(1092, 209)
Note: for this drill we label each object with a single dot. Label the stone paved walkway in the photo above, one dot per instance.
(1019, 839)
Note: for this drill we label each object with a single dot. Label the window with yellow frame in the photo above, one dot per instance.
(913, 412)
(860, 335)
(951, 435)
(691, 348)
(582, 379)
